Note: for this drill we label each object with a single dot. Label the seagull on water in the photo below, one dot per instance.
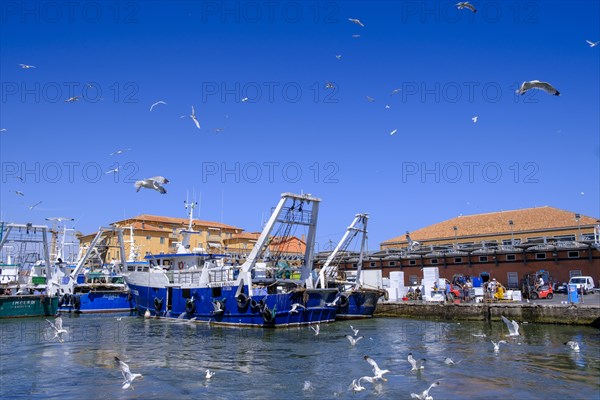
(120, 151)
(592, 44)
(497, 345)
(425, 394)
(147, 314)
(352, 340)
(155, 183)
(377, 372)
(573, 345)
(416, 365)
(356, 386)
(127, 375)
(466, 4)
(513, 327)
(354, 330)
(209, 374)
(475, 119)
(356, 21)
(25, 66)
(58, 328)
(17, 192)
(316, 328)
(72, 99)
(35, 205)
(449, 361)
(155, 104)
(478, 334)
(295, 306)
(392, 133)
(308, 386)
(545, 86)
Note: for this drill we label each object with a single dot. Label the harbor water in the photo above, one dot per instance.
(173, 356)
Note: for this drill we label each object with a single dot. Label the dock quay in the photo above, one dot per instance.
(576, 314)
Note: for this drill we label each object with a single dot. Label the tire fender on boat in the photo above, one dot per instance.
(157, 304)
(268, 315)
(190, 306)
(254, 304)
(77, 302)
(242, 300)
(386, 295)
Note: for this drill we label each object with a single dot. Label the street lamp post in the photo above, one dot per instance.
(512, 233)
(577, 218)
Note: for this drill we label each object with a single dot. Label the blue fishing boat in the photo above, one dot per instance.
(204, 286)
(355, 300)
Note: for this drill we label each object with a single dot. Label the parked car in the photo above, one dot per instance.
(585, 284)
(561, 288)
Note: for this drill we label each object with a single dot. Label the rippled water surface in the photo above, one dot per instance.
(277, 364)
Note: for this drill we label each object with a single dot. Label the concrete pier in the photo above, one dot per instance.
(535, 313)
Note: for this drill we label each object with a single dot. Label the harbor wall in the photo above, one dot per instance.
(533, 313)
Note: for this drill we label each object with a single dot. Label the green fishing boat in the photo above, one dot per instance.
(27, 306)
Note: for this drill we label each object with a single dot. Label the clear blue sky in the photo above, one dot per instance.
(292, 134)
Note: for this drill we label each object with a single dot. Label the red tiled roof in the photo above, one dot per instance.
(178, 221)
(526, 219)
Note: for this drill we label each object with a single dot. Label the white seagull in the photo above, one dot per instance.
(387, 107)
(356, 21)
(338, 56)
(513, 327)
(155, 183)
(352, 340)
(416, 365)
(377, 372)
(209, 374)
(58, 328)
(425, 394)
(295, 306)
(127, 375)
(2, 129)
(356, 386)
(466, 4)
(395, 91)
(393, 132)
(354, 330)
(72, 99)
(219, 130)
(370, 99)
(245, 99)
(497, 345)
(449, 361)
(329, 85)
(193, 117)
(573, 345)
(155, 104)
(120, 151)
(316, 328)
(592, 44)
(355, 36)
(25, 66)
(545, 86)
(19, 193)
(35, 205)
(114, 171)
(475, 119)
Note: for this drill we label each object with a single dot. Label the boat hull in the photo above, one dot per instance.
(360, 303)
(98, 302)
(28, 306)
(260, 310)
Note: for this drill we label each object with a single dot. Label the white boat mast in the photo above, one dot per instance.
(184, 246)
(328, 271)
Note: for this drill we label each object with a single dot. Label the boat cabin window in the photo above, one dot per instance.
(216, 292)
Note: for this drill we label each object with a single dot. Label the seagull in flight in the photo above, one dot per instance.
(316, 328)
(2, 129)
(338, 56)
(155, 104)
(155, 183)
(35, 205)
(127, 375)
(352, 340)
(513, 327)
(72, 99)
(193, 117)
(356, 386)
(355, 36)
(395, 91)
(425, 394)
(209, 374)
(466, 4)
(245, 99)
(18, 192)
(545, 86)
(393, 132)
(219, 130)
(114, 171)
(58, 328)
(370, 99)
(573, 345)
(329, 85)
(295, 306)
(25, 66)
(354, 330)
(416, 365)
(377, 372)
(475, 119)
(497, 345)
(592, 44)
(356, 21)
(120, 151)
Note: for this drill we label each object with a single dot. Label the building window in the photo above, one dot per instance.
(372, 264)
(513, 280)
(434, 261)
(565, 238)
(573, 254)
(161, 226)
(148, 237)
(483, 258)
(392, 263)
(506, 242)
(412, 262)
(457, 260)
(511, 257)
(540, 256)
(412, 280)
(575, 272)
(162, 240)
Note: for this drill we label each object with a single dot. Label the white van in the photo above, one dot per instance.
(585, 282)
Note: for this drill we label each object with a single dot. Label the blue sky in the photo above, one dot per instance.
(292, 134)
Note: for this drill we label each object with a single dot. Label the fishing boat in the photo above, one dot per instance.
(356, 299)
(23, 282)
(92, 284)
(199, 285)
